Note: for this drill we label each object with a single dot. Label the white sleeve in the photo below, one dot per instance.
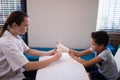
(15, 58)
(25, 47)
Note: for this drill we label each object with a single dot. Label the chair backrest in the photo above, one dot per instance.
(117, 59)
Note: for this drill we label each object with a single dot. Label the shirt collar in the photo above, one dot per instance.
(7, 33)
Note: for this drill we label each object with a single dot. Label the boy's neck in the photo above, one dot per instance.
(101, 50)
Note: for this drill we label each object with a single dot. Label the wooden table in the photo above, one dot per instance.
(64, 69)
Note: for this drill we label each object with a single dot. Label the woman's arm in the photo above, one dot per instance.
(41, 64)
(34, 52)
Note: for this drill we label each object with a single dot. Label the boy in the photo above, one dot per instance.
(107, 69)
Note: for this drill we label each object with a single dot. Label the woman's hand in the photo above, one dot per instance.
(57, 56)
(51, 52)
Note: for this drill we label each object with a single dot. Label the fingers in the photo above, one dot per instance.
(57, 55)
(61, 47)
(52, 52)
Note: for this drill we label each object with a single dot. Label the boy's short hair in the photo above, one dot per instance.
(100, 37)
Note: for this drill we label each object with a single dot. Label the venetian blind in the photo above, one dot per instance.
(109, 15)
(7, 6)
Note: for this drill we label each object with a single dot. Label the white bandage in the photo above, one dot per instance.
(62, 48)
(59, 48)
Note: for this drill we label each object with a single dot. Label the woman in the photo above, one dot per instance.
(12, 60)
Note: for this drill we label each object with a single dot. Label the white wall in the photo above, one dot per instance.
(68, 21)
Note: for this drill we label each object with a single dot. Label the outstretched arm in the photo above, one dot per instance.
(63, 48)
(86, 63)
(41, 64)
(79, 53)
(34, 52)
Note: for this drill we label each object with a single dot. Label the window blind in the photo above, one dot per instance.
(109, 15)
(7, 6)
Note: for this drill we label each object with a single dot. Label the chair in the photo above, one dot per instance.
(117, 59)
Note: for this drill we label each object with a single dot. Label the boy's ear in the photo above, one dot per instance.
(102, 45)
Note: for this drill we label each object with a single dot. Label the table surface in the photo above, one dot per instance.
(65, 68)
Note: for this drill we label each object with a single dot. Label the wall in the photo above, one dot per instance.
(67, 21)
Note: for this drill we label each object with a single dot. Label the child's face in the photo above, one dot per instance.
(96, 47)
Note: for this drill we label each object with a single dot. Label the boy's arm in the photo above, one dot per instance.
(81, 53)
(87, 63)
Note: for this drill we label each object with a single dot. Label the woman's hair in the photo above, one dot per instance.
(15, 17)
(100, 37)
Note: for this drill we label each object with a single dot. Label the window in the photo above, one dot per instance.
(7, 6)
(109, 15)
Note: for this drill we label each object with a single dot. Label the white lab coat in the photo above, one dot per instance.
(12, 58)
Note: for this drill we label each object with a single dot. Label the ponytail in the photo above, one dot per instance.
(4, 27)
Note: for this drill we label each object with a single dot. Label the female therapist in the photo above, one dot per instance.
(12, 60)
